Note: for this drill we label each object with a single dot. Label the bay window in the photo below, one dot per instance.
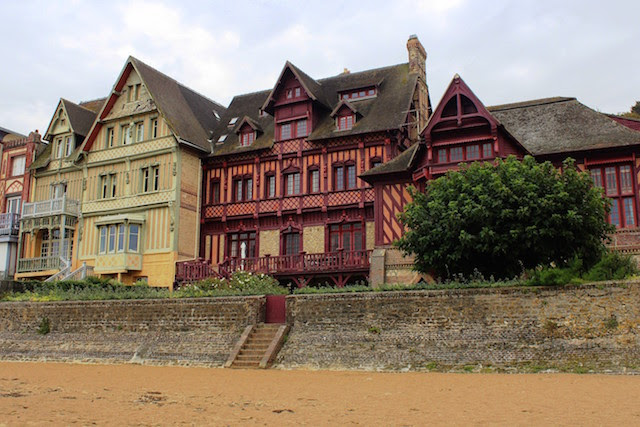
(617, 181)
(114, 238)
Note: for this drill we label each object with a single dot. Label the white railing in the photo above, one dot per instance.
(9, 223)
(60, 205)
(62, 273)
(27, 265)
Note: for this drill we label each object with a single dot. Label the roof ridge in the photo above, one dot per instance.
(530, 103)
(362, 71)
(80, 105)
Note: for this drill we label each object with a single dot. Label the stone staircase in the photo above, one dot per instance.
(258, 346)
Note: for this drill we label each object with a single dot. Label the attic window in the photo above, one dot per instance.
(345, 122)
(467, 105)
(233, 121)
(246, 138)
(451, 108)
(366, 92)
(222, 138)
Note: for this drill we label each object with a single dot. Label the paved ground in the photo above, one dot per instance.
(64, 394)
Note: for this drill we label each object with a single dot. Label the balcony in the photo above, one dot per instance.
(337, 266)
(9, 224)
(58, 206)
(33, 265)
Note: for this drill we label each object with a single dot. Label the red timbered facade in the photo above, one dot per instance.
(282, 193)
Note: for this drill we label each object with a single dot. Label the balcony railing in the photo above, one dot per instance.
(61, 205)
(9, 224)
(301, 264)
(30, 265)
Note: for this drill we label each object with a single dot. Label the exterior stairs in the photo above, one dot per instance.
(258, 346)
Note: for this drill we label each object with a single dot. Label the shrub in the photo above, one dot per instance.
(504, 218)
(612, 266)
(44, 327)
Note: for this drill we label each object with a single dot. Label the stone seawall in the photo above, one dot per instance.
(590, 327)
(181, 331)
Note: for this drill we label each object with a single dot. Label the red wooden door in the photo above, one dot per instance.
(276, 311)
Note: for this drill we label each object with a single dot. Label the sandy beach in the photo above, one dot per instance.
(64, 394)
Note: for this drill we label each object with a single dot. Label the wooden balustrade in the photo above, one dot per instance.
(60, 205)
(26, 265)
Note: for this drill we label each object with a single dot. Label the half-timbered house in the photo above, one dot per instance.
(463, 130)
(281, 187)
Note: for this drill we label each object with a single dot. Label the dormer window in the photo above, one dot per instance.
(295, 129)
(246, 138)
(359, 93)
(345, 122)
(233, 121)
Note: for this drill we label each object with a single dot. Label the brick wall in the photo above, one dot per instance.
(594, 327)
(183, 331)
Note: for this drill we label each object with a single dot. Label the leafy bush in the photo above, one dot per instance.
(240, 283)
(612, 266)
(504, 218)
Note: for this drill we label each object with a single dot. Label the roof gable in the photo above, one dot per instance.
(189, 115)
(310, 86)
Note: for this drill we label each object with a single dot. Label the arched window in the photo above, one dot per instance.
(451, 108)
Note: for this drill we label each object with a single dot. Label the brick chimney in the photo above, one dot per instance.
(417, 65)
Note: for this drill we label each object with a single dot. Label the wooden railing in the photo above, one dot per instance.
(9, 223)
(27, 265)
(303, 264)
(61, 205)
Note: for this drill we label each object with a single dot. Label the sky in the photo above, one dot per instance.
(507, 51)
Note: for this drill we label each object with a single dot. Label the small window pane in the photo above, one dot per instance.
(456, 154)
(473, 152)
(134, 232)
(112, 238)
(596, 176)
(120, 237)
(629, 212)
(614, 215)
(612, 184)
(249, 187)
(103, 239)
(315, 181)
(285, 131)
(302, 128)
(442, 155)
(339, 173)
(351, 176)
(625, 179)
(487, 151)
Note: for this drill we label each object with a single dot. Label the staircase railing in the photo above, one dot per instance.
(62, 273)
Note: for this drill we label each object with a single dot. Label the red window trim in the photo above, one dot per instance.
(247, 138)
(229, 243)
(356, 93)
(283, 241)
(310, 170)
(619, 197)
(245, 180)
(212, 192)
(345, 176)
(270, 175)
(293, 122)
(344, 228)
(447, 150)
(285, 187)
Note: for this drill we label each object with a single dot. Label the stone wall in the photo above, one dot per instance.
(587, 327)
(182, 331)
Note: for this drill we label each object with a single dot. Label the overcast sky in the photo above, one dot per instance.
(505, 50)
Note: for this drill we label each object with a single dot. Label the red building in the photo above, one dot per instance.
(281, 192)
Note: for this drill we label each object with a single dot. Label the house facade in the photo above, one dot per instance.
(281, 188)
(18, 152)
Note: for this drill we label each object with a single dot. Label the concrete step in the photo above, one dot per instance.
(241, 364)
(252, 352)
(249, 357)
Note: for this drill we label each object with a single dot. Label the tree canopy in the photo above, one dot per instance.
(501, 218)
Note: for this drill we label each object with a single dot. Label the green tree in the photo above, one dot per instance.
(636, 108)
(502, 218)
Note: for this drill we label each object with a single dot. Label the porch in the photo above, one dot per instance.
(338, 267)
(40, 266)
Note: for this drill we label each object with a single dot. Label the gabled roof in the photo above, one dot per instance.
(190, 115)
(343, 103)
(248, 120)
(311, 87)
(399, 164)
(386, 111)
(80, 118)
(562, 125)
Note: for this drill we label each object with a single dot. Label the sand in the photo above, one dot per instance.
(64, 394)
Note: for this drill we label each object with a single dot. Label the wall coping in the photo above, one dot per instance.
(146, 301)
(432, 293)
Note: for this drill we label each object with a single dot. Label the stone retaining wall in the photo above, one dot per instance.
(568, 328)
(182, 331)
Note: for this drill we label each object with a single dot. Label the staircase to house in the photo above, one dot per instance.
(258, 346)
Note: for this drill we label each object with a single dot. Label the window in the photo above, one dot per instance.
(150, 179)
(107, 186)
(247, 138)
(242, 189)
(13, 205)
(301, 128)
(314, 181)
(242, 245)
(344, 177)
(109, 141)
(222, 138)
(17, 165)
(359, 93)
(473, 152)
(133, 93)
(58, 190)
(348, 237)
(617, 182)
(139, 131)
(285, 131)
(59, 148)
(442, 155)
(154, 128)
(345, 122)
(487, 150)
(113, 238)
(68, 146)
(376, 161)
(134, 236)
(126, 134)
(233, 121)
(297, 92)
(215, 191)
(456, 154)
(270, 186)
(292, 184)
(291, 244)
(289, 93)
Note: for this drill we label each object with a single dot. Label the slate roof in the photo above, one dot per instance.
(4, 132)
(562, 125)
(189, 114)
(80, 118)
(399, 164)
(388, 110)
(93, 105)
